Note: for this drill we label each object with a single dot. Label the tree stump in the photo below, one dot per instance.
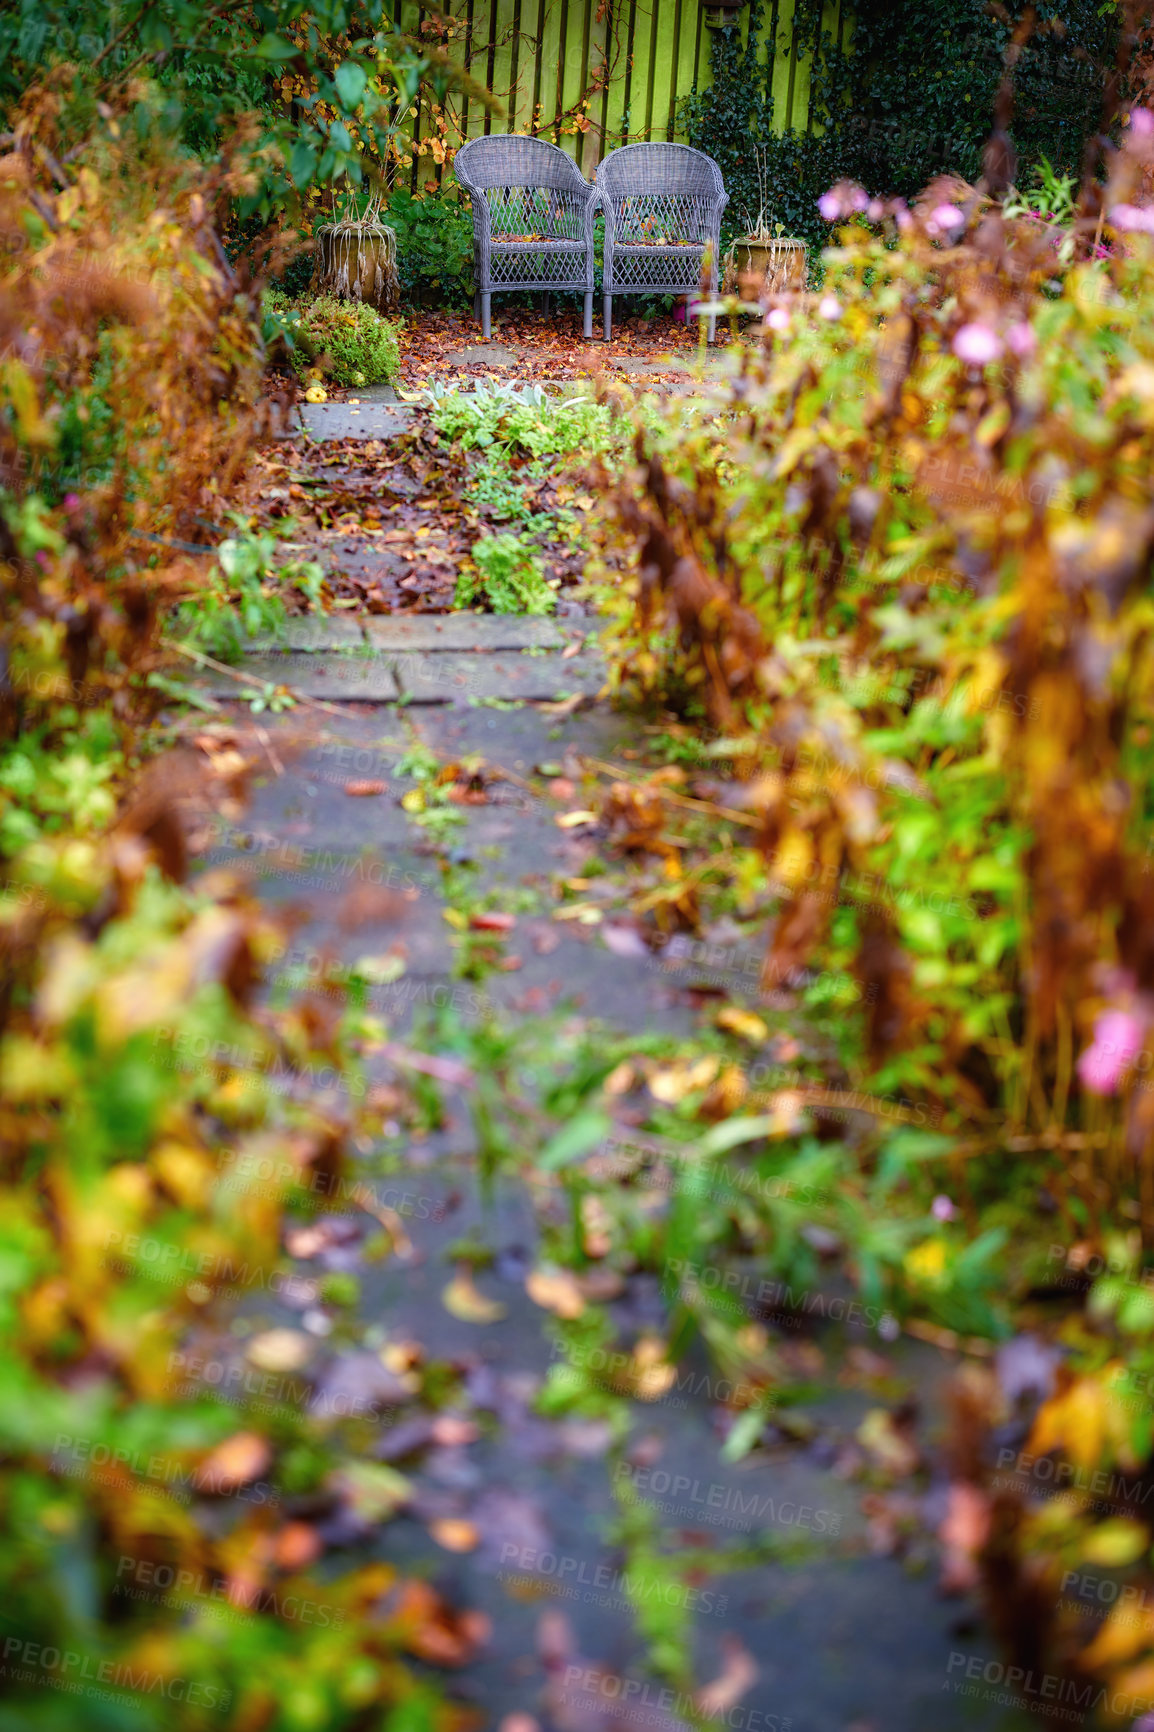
(357, 261)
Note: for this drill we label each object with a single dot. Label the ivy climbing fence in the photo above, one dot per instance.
(591, 75)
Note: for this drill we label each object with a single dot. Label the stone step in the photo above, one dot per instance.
(441, 677)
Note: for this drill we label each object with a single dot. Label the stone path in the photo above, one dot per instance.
(844, 1641)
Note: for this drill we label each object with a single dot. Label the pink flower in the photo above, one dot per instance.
(778, 320)
(1116, 1044)
(943, 1209)
(948, 216)
(1021, 339)
(72, 502)
(977, 344)
(858, 200)
(875, 210)
(903, 219)
(829, 206)
(1129, 217)
(1142, 123)
(830, 307)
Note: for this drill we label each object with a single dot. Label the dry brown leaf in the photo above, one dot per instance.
(235, 1462)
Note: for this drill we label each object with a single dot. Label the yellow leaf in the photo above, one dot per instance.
(555, 1290)
(279, 1350)
(675, 1082)
(570, 820)
(462, 1300)
(1074, 1422)
(742, 1022)
(794, 857)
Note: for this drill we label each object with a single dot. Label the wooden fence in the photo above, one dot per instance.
(594, 74)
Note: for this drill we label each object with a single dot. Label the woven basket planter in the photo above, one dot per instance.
(357, 261)
(777, 264)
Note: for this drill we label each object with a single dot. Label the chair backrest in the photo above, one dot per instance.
(509, 159)
(659, 169)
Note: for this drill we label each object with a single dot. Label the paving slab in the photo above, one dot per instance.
(367, 420)
(466, 631)
(421, 676)
(315, 632)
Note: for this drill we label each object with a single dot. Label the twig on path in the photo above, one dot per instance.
(751, 823)
(246, 679)
(262, 736)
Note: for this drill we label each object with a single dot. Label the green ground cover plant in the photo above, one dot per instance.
(345, 341)
(507, 578)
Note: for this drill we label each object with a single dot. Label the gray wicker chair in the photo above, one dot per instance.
(663, 205)
(523, 187)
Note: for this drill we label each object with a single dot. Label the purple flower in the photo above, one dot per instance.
(1022, 339)
(829, 206)
(903, 219)
(1142, 123)
(830, 307)
(1130, 217)
(875, 210)
(42, 559)
(943, 1209)
(778, 320)
(858, 200)
(72, 502)
(1116, 1044)
(977, 344)
(948, 216)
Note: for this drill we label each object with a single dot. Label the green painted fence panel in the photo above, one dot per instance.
(629, 61)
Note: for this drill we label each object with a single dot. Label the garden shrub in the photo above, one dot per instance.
(351, 342)
(434, 233)
(908, 569)
(158, 1134)
(905, 94)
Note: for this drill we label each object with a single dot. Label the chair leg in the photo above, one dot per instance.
(486, 321)
(588, 326)
(608, 303)
(477, 305)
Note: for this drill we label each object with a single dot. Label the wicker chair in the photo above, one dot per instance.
(532, 219)
(663, 205)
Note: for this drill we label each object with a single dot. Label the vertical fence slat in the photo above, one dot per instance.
(665, 52)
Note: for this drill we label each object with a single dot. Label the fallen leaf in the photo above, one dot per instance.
(492, 922)
(455, 1535)
(279, 1350)
(362, 790)
(235, 1462)
(571, 820)
(462, 1300)
(742, 1022)
(738, 1674)
(555, 1290)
